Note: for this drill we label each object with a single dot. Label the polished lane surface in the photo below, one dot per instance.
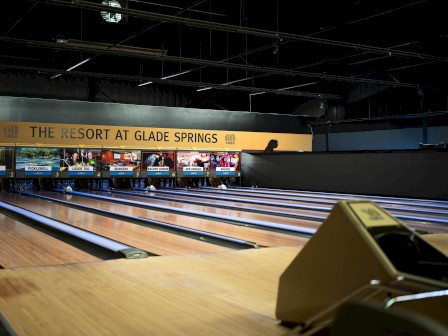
(210, 209)
(259, 236)
(144, 238)
(418, 216)
(23, 246)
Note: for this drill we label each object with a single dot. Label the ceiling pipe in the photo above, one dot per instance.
(168, 81)
(136, 52)
(241, 30)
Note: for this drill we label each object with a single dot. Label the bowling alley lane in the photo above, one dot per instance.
(248, 232)
(22, 245)
(144, 238)
(230, 213)
(260, 236)
(421, 214)
(388, 202)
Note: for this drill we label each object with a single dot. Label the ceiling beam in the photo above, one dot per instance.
(168, 81)
(122, 50)
(242, 30)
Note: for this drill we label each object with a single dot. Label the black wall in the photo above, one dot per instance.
(95, 113)
(420, 174)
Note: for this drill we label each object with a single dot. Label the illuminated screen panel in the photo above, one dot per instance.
(193, 163)
(80, 162)
(121, 162)
(6, 162)
(225, 164)
(37, 162)
(160, 163)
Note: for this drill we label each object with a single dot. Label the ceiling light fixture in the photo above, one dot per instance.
(177, 74)
(297, 86)
(97, 46)
(256, 93)
(145, 83)
(72, 67)
(238, 80)
(204, 88)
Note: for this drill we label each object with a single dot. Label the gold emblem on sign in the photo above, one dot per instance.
(11, 131)
(230, 139)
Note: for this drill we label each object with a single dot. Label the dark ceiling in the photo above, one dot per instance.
(360, 58)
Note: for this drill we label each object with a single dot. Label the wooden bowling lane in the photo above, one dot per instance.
(283, 211)
(416, 216)
(23, 246)
(209, 209)
(321, 198)
(144, 238)
(247, 204)
(231, 293)
(379, 198)
(259, 236)
(390, 202)
(252, 200)
(289, 208)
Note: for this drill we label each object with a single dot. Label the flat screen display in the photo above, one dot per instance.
(80, 162)
(37, 161)
(159, 163)
(7, 162)
(193, 163)
(225, 163)
(121, 162)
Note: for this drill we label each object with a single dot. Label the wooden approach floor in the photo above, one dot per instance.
(222, 293)
(215, 292)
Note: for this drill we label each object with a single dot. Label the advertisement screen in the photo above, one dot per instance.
(121, 162)
(159, 163)
(193, 163)
(80, 162)
(6, 161)
(225, 163)
(37, 162)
